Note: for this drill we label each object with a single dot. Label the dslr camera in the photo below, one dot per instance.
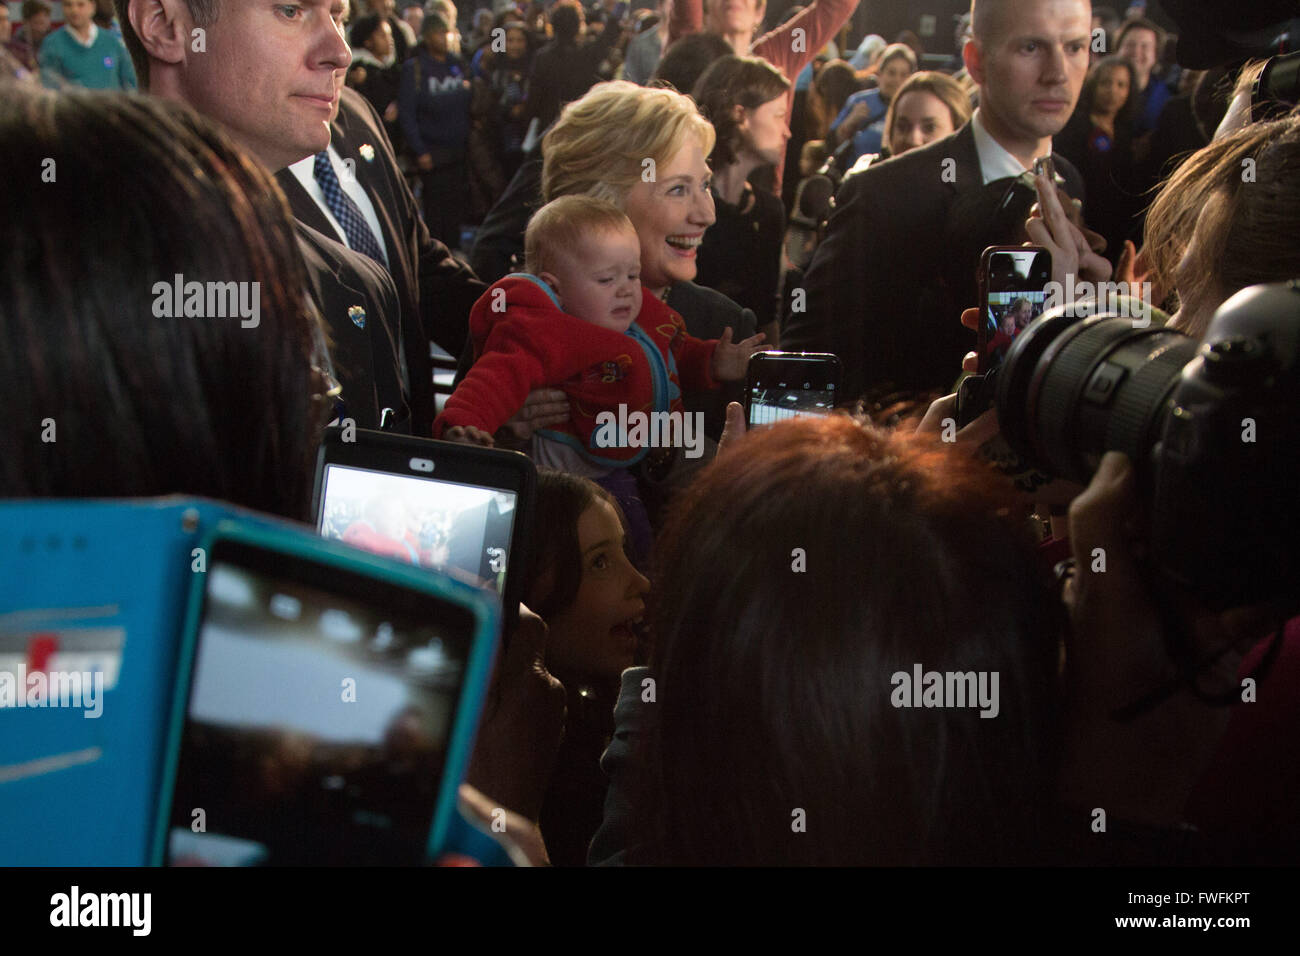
(1211, 428)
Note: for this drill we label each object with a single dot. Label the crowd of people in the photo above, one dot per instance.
(602, 207)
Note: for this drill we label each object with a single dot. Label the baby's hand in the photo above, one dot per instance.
(731, 359)
(468, 435)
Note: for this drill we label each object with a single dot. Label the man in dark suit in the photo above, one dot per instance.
(349, 289)
(886, 288)
(272, 81)
(432, 285)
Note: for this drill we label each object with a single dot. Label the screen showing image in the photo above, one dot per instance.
(1005, 317)
(317, 723)
(1016, 283)
(767, 405)
(461, 530)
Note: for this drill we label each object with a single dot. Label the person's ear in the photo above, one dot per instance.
(552, 280)
(973, 56)
(738, 115)
(163, 27)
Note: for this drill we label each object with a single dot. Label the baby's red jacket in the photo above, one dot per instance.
(529, 342)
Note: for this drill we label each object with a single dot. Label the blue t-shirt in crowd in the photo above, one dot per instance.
(104, 65)
(433, 106)
(869, 138)
(1152, 102)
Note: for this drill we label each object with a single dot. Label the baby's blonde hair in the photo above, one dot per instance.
(560, 226)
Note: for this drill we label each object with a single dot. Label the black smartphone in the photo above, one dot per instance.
(788, 384)
(326, 709)
(1013, 284)
(455, 508)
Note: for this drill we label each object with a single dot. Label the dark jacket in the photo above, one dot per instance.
(433, 106)
(886, 288)
(432, 284)
(563, 72)
(358, 301)
(499, 245)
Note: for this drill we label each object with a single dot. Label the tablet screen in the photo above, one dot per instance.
(460, 529)
(319, 712)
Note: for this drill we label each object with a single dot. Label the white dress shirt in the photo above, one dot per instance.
(995, 161)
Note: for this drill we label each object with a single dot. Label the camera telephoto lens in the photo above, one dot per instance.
(1072, 389)
(1210, 426)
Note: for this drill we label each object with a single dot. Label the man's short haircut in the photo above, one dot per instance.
(986, 18)
(1142, 23)
(32, 8)
(566, 19)
(363, 29)
(434, 22)
(202, 12)
(563, 224)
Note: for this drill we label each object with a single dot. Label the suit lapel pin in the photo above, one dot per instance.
(367, 152)
(358, 316)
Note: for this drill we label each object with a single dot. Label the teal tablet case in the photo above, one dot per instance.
(291, 541)
(91, 584)
(105, 585)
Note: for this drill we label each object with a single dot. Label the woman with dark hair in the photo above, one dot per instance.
(148, 399)
(833, 86)
(805, 583)
(745, 99)
(375, 72)
(583, 584)
(1098, 140)
(685, 61)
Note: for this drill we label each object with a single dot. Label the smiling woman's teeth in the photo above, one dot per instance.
(685, 242)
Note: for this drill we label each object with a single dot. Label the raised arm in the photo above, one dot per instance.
(819, 21)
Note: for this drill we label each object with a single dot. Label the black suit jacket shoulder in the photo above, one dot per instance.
(354, 296)
(886, 287)
(435, 289)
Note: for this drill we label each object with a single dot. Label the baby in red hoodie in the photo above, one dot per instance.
(580, 322)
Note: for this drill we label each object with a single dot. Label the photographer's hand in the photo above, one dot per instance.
(1141, 769)
(733, 428)
(1053, 230)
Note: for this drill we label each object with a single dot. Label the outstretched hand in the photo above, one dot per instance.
(731, 359)
(467, 435)
(544, 408)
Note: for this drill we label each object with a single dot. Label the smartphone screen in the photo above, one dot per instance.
(784, 385)
(1014, 282)
(459, 529)
(319, 712)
